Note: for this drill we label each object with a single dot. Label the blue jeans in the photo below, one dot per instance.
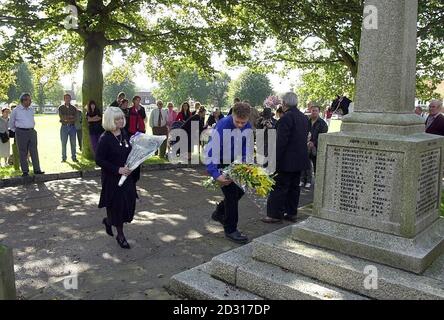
(65, 131)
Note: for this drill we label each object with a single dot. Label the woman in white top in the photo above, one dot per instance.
(5, 148)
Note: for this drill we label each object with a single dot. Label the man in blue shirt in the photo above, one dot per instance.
(232, 140)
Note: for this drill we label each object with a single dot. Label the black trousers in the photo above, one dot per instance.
(313, 159)
(285, 196)
(228, 209)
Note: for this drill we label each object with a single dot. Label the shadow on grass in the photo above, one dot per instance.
(83, 164)
(9, 172)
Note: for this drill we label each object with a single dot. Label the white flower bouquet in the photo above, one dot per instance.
(144, 146)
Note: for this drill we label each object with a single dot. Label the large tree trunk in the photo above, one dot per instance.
(92, 87)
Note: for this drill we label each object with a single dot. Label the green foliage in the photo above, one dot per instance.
(119, 79)
(168, 35)
(54, 93)
(7, 80)
(251, 86)
(22, 82)
(313, 35)
(219, 90)
(189, 84)
(441, 207)
(324, 84)
(47, 88)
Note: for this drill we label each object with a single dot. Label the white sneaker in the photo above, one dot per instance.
(308, 185)
(301, 184)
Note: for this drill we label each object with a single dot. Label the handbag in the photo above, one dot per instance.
(160, 131)
(11, 134)
(4, 136)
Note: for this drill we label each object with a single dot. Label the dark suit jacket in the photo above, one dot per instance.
(319, 127)
(437, 126)
(291, 147)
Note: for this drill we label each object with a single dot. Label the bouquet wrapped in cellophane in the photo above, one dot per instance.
(254, 180)
(143, 146)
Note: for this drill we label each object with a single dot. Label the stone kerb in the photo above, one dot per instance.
(7, 277)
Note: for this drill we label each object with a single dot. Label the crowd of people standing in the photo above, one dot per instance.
(297, 138)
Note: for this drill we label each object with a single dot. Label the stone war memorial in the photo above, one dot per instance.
(375, 231)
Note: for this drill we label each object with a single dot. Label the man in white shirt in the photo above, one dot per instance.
(158, 122)
(22, 123)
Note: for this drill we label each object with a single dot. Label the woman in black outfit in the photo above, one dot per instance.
(187, 126)
(94, 118)
(112, 152)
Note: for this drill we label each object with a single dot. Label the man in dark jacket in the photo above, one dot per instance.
(435, 120)
(316, 126)
(291, 160)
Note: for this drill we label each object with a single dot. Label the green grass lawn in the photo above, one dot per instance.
(50, 150)
(441, 209)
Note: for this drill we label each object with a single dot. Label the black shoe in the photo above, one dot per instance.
(108, 228)
(216, 217)
(63, 161)
(39, 172)
(123, 243)
(291, 218)
(75, 160)
(25, 174)
(237, 237)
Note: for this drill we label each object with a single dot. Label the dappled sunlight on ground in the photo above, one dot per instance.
(56, 232)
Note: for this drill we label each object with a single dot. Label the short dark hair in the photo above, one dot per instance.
(242, 110)
(66, 94)
(316, 106)
(201, 109)
(23, 96)
(124, 100)
(136, 97)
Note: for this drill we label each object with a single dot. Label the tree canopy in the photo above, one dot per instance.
(252, 86)
(314, 35)
(167, 34)
(117, 80)
(22, 82)
(189, 84)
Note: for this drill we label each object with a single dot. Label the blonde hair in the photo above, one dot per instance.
(110, 116)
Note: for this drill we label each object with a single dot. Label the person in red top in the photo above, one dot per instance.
(137, 117)
(435, 120)
(184, 113)
(327, 115)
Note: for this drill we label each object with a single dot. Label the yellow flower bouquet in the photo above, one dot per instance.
(253, 179)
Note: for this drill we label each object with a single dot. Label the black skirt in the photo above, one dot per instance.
(120, 202)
